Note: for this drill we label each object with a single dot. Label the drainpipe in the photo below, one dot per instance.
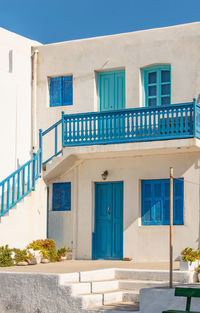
(34, 101)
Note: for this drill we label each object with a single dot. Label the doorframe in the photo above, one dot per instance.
(94, 215)
(98, 84)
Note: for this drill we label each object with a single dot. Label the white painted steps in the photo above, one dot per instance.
(117, 288)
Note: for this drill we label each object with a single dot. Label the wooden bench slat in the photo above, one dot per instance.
(187, 292)
(179, 311)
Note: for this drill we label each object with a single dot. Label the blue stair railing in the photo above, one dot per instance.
(19, 184)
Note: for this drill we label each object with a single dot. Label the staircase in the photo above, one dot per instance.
(117, 289)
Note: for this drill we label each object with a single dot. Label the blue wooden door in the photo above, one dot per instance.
(108, 221)
(111, 91)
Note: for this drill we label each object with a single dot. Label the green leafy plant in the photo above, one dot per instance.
(190, 255)
(5, 256)
(22, 255)
(47, 248)
(61, 253)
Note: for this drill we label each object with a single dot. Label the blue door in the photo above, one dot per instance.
(108, 238)
(111, 90)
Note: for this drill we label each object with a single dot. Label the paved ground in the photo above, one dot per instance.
(86, 265)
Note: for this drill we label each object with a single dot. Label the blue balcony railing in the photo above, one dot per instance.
(130, 125)
(175, 121)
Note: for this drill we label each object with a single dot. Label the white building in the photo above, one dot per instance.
(129, 116)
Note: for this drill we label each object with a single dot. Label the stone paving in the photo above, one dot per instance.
(86, 265)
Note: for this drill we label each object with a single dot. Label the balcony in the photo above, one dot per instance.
(175, 121)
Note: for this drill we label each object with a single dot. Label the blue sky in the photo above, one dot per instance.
(60, 20)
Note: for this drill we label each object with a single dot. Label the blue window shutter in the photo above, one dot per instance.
(55, 92)
(61, 197)
(158, 202)
(67, 200)
(67, 88)
(166, 202)
(178, 201)
(147, 203)
(157, 85)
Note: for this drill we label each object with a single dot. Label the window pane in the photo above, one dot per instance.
(165, 100)
(165, 76)
(165, 89)
(152, 91)
(152, 102)
(152, 77)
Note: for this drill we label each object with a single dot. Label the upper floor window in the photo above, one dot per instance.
(61, 91)
(157, 85)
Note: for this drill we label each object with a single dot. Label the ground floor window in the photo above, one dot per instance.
(155, 202)
(61, 197)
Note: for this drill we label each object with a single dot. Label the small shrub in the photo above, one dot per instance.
(22, 255)
(47, 247)
(5, 257)
(61, 252)
(190, 255)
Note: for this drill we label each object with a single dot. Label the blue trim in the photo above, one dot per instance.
(158, 84)
(155, 201)
(61, 198)
(95, 252)
(99, 87)
(19, 184)
(61, 91)
(129, 125)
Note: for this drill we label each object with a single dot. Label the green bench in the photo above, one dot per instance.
(189, 293)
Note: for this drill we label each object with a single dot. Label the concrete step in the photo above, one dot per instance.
(154, 275)
(79, 288)
(91, 300)
(138, 284)
(122, 307)
(94, 300)
(103, 286)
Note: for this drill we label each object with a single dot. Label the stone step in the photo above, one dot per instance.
(125, 274)
(117, 296)
(138, 284)
(154, 275)
(121, 307)
(79, 288)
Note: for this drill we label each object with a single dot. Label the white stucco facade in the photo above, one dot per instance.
(26, 221)
(129, 163)
(82, 166)
(15, 108)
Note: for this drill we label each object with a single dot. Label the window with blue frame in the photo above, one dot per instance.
(155, 202)
(157, 85)
(61, 91)
(61, 197)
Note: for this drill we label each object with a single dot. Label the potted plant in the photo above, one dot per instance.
(61, 253)
(189, 259)
(69, 254)
(198, 272)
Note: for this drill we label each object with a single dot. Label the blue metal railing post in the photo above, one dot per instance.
(194, 116)
(62, 117)
(40, 147)
(33, 173)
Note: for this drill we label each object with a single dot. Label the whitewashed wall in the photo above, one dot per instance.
(15, 101)
(177, 45)
(27, 220)
(142, 243)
